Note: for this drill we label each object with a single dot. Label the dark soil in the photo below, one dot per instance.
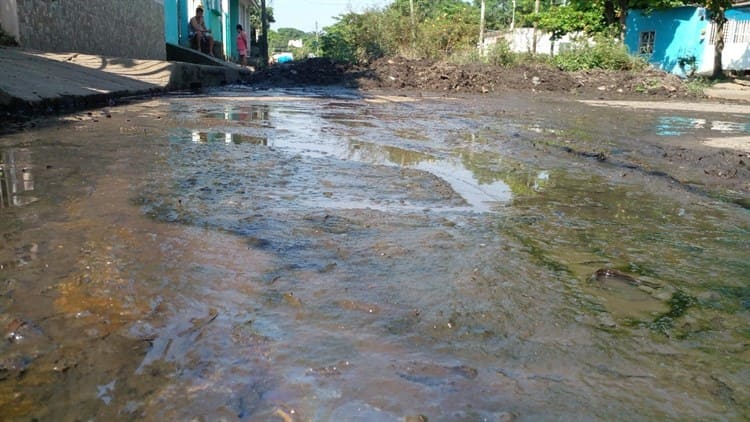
(7, 40)
(434, 76)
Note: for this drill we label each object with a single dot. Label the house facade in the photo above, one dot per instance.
(221, 17)
(130, 29)
(681, 40)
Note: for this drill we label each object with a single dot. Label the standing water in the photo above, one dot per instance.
(319, 255)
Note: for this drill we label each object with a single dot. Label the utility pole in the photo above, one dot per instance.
(264, 36)
(413, 25)
(536, 14)
(481, 27)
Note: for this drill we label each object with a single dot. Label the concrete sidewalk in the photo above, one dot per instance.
(738, 90)
(39, 82)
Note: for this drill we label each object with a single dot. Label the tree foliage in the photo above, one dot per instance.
(562, 20)
(439, 28)
(279, 40)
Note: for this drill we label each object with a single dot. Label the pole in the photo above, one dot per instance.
(264, 36)
(481, 27)
(536, 13)
(513, 17)
(413, 25)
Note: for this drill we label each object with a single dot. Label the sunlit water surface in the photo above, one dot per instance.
(317, 255)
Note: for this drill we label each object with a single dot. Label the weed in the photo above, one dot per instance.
(604, 53)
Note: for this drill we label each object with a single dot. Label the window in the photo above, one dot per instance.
(646, 44)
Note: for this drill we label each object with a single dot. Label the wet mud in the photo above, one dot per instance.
(323, 254)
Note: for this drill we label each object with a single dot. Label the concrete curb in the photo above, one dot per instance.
(37, 82)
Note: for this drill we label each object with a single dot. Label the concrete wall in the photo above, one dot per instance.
(678, 33)
(123, 28)
(521, 40)
(736, 53)
(9, 17)
(686, 32)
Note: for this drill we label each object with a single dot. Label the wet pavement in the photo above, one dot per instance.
(320, 255)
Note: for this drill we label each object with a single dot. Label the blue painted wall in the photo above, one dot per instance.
(679, 32)
(171, 32)
(176, 22)
(739, 14)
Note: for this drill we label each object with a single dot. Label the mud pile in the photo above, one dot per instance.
(435, 76)
(317, 71)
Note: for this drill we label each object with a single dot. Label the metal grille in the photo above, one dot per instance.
(735, 32)
(646, 44)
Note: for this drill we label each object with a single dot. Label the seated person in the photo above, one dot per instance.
(199, 31)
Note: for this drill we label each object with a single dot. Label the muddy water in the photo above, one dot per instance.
(318, 255)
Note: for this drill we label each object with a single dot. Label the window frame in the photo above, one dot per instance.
(646, 41)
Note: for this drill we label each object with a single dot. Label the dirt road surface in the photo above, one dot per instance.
(331, 253)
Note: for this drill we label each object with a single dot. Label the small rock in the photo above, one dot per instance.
(646, 289)
(606, 320)
(664, 293)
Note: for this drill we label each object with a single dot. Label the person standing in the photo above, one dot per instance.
(242, 45)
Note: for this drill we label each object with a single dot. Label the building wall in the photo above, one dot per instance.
(239, 11)
(678, 33)
(120, 28)
(736, 53)
(521, 40)
(9, 17)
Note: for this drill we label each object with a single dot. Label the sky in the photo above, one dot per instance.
(303, 14)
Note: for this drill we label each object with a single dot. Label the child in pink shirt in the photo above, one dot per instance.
(242, 44)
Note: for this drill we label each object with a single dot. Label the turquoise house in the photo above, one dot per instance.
(221, 17)
(681, 40)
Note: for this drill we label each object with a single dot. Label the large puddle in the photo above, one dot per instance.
(316, 255)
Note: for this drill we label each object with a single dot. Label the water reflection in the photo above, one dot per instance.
(676, 126)
(311, 135)
(480, 195)
(226, 137)
(250, 113)
(16, 178)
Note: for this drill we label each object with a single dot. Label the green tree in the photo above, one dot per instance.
(261, 18)
(279, 40)
(358, 37)
(562, 20)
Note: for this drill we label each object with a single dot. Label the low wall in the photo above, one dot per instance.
(132, 28)
(521, 40)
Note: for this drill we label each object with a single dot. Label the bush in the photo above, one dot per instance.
(500, 54)
(467, 55)
(605, 54)
(441, 36)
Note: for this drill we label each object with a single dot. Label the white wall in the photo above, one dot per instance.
(735, 56)
(521, 40)
(9, 18)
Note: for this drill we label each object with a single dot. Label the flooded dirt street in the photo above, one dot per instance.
(328, 255)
